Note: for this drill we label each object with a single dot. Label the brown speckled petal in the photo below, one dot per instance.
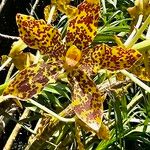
(87, 100)
(39, 35)
(31, 80)
(106, 57)
(83, 27)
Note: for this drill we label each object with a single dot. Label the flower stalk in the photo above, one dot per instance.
(51, 112)
(136, 80)
(138, 34)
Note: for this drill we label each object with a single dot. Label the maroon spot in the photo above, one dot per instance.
(24, 86)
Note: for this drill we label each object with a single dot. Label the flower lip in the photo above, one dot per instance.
(72, 57)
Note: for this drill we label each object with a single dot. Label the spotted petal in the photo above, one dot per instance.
(31, 80)
(105, 57)
(39, 35)
(82, 28)
(87, 100)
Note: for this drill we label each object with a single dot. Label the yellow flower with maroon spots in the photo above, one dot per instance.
(75, 57)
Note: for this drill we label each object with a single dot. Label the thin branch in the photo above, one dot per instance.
(51, 112)
(34, 6)
(139, 32)
(134, 101)
(5, 63)
(9, 37)
(15, 131)
(2, 5)
(139, 22)
(136, 80)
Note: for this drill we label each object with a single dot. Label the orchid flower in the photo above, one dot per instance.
(75, 57)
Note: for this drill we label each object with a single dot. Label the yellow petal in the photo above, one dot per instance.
(23, 60)
(17, 47)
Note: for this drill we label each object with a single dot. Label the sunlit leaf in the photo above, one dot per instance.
(141, 7)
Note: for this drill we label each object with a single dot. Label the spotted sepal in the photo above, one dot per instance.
(39, 35)
(106, 57)
(87, 100)
(31, 80)
(83, 27)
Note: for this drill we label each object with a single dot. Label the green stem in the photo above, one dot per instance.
(5, 63)
(51, 112)
(136, 80)
(148, 33)
(139, 22)
(134, 101)
(139, 32)
(2, 87)
(142, 46)
(9, 72)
